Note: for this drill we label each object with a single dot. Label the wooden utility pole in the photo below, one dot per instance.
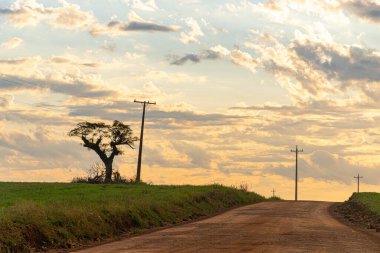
(296, 178)
(358, 178)
(273, 193)
(138, 174)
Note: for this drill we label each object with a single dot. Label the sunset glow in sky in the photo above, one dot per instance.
(238, 84)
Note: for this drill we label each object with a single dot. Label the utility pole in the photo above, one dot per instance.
(358, 178)
(273, 191)
(296, 179)
(138, 174)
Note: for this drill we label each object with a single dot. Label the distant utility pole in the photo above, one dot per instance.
(138, 174)
(296, 179)
(274, 192)
(358, 178)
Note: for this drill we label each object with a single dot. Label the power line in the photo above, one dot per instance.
(138, 174)
(296, 176)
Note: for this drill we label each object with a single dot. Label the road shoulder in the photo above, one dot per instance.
(141, 232)
(336, 213)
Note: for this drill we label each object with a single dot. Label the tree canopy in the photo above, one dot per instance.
(106, 140)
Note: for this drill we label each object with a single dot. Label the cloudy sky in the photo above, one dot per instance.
(238, 84)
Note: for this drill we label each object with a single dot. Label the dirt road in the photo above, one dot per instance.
(265, 227)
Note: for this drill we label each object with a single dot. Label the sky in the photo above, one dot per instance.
(238, 84)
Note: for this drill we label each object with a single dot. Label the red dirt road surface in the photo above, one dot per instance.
(266, 227)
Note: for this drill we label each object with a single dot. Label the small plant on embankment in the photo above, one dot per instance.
(362, 209)
(41, 216)
(275, 198)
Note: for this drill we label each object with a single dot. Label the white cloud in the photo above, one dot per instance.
(167, 77)
(6, 101)
(71, 17)
(12, 43)
(135, 24)
(194, 33)
(147, 5)
(132, 56)
(29, 13)
(236, 56)
(315, 32)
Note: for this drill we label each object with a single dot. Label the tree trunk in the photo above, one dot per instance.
(108, 177)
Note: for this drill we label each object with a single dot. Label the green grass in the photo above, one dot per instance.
(370, 199)
(275, 198)
(58, 215)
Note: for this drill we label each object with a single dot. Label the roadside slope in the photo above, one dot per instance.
(265, 227)
(362, 209)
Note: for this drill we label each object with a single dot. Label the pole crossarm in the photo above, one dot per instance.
(274, 192)
(297, 150)
(138, 173)
(296, 176)
(145, 102)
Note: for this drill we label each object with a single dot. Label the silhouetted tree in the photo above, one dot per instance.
(105, 140)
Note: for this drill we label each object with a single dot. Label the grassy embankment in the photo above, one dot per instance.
(370, 200)
(56, 215)
(362, 209)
